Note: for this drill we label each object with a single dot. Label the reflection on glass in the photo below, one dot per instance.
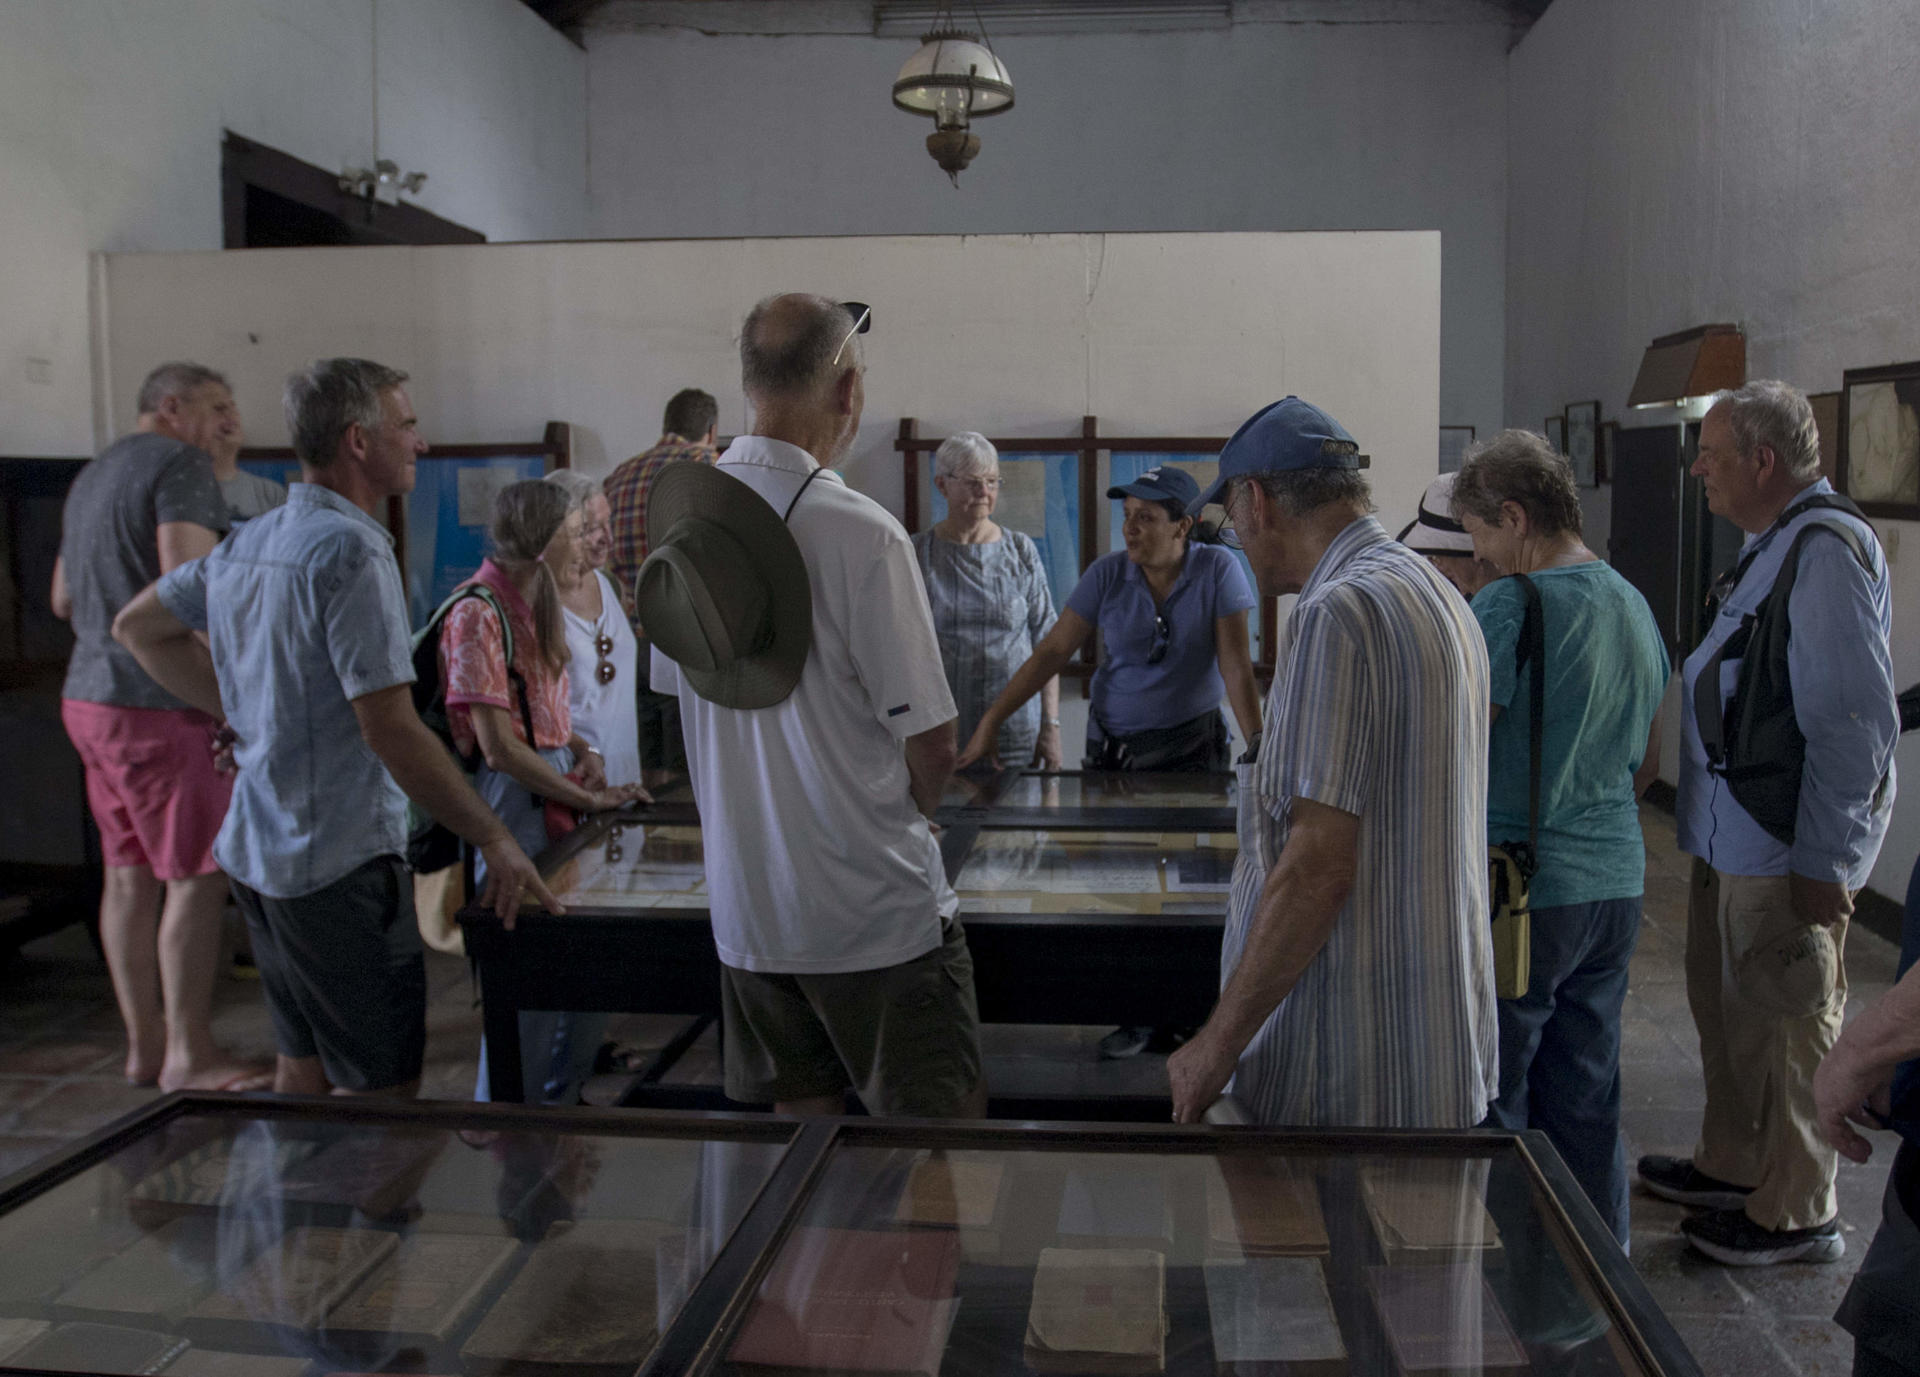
(1119, 790)
(1018, 871)
(287, 1246)
(929, 1260)
(634, 867)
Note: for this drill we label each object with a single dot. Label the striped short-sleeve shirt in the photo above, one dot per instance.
(1379, 708)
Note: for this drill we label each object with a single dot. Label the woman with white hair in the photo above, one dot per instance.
(601, 681)
(991, 603)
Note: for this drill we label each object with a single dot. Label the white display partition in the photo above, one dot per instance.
(1157, 334)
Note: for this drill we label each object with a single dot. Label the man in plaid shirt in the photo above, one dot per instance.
(688, 433)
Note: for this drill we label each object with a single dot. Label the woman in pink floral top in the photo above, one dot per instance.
(533, 536)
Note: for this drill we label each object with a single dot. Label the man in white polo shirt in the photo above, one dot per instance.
(820, 736)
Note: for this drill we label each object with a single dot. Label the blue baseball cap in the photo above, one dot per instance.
(1288, 434)
(1164, 484)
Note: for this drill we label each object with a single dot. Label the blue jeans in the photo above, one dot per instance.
(557, 1048)
(1560, 1046)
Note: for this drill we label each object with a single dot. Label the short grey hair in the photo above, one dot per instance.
(1301, 492)
(795, 361)
(579, 488)
(1519, 466)
(175, 379)
(322, 401)
(1775, 414)
(964, 452)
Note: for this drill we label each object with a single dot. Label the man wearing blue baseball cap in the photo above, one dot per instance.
(1359, 985)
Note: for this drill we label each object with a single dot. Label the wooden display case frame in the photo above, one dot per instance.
(1091, 967)
(697, 1338)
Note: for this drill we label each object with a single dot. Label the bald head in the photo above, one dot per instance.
(795, 346)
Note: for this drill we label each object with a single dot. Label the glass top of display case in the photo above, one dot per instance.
(935, 1259)
(227, 1235)
(660, 870)
(262, 1244)
(632, 866)
(1021, 871)
(1144, 791)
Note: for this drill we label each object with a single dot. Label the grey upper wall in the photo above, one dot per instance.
(1264, 126)
(111, 119)
(1675, 162)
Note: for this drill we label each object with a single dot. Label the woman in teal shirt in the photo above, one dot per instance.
(1606, 672)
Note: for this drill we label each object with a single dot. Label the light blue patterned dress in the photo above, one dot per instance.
(991, 606)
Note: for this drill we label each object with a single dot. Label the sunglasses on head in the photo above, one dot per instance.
(862, 315)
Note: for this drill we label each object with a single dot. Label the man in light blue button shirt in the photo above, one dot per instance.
(1767, 919)
(311, 668)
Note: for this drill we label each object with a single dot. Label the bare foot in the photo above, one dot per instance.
(146, 1056)
(219, 1076)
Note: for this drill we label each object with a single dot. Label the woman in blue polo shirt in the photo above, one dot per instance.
(1172, 618)
(1172, 615)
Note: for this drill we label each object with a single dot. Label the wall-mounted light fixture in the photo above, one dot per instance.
(384, 175)
(954, 77)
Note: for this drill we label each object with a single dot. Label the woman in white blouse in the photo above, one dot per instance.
(601, 674)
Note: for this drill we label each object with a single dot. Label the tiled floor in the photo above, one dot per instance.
(60, 1057)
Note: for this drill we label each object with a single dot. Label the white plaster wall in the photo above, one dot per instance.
(502, 338)
(111, 118)
(1675, 162)
(1263, 126)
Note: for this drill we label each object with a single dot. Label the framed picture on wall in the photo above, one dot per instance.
(1879, 459)
(1454, 441)
(1555, 430)
(1826, 419)
(1583, 442)
(1603, 452)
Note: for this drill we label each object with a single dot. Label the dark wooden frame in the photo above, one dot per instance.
(1467, 444)
(696, 1340)
(1854, 377)
(1826, 419)
(556, 443)
(1559, 443)
(1567, 421)
(244, 163)
(1088, 445)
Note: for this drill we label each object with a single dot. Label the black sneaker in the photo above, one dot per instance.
(1677, 1179)
(1729, 1236)
(1124, 1042)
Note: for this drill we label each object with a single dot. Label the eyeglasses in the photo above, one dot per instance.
(862, 322)
(1162, 638)
(604, 671)
(976, 484)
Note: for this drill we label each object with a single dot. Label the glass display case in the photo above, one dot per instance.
(224, 1234)
(1118, 801)
(1066, 926)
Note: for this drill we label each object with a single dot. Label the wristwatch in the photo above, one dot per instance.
(1049, 721)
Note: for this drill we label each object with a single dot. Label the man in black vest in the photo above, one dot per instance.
(1777, 859)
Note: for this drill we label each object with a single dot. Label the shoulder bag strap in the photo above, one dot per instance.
(518, 680)
(818, 469)
(1533, 646)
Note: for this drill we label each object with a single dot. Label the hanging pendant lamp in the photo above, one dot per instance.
(953, 79)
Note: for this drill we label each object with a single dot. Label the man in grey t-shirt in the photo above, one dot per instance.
(247, 494)
(149, 502)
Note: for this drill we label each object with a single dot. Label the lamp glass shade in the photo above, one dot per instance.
(951, 78)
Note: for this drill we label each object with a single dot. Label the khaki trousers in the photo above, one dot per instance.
(1768, 992)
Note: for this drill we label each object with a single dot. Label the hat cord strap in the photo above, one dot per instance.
(818, 469)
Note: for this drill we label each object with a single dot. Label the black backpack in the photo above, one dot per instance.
(431, 846)
(1755, 744)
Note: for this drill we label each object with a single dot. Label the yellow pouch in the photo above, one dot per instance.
(1507, 885)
